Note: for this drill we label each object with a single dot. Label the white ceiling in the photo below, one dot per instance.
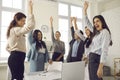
(98, 0)
(104, 0)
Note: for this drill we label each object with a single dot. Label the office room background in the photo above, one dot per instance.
(61, 10)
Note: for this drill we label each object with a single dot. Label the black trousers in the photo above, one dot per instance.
(93, 65)
(75, 59)
(56, 55)
(16, 64)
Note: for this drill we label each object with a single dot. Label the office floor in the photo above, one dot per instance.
(108, 78)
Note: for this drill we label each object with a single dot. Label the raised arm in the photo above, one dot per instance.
(30, 38)
(72, 28)
(52, 33)
(30, 23)
(76, 29)
(86, 20)
(75, 23)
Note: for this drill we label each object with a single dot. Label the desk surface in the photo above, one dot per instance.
(51, 75)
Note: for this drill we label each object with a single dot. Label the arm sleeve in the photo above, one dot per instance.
(30, 38)
(105, 45)
(63, 51)
(29, 55)
(87, 23)
(72, 32)
(7, 47)
(29, 27)
(52, 34)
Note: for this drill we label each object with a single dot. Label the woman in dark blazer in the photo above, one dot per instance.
(77, 36)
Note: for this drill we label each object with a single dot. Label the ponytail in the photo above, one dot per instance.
(12, 24)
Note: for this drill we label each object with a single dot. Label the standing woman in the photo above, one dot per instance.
(38, 53)
(16, 42)
(58, 45)
(87, 46)
(99, 45)
(76, 44)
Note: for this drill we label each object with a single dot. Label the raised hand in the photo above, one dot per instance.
(75, 23)
(51, 21)
(74, 19)
(71, 20)
(30, 6)
(86, 4)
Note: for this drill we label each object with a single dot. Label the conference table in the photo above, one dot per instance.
(44, 75)
(59, 71)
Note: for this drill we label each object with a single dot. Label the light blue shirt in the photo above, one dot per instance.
(75, 48)
(100, 43)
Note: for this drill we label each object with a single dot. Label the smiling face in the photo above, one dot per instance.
(21, 22)
(57, 35)
(39, 36)
(98, 24)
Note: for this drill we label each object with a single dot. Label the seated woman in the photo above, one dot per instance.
(38, 53)
(59, 46)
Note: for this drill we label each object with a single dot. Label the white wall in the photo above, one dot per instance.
(111, 5)
(76, 2)
(97, 8)
(108, 5)
(3, 72)
(42, 11)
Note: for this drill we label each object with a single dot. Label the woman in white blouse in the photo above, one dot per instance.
(16, 42)
(99, 45)
(87, 46)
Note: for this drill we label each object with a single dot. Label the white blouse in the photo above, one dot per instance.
(16, 40)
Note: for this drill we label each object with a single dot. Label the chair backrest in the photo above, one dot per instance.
(73, 71)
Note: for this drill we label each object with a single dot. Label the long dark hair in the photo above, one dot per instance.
(39, 43)
(18, 16)
(88, 40)
(104, 26)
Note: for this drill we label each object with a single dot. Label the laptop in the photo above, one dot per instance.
(73, 71)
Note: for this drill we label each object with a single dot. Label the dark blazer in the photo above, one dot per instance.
(80, 50)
